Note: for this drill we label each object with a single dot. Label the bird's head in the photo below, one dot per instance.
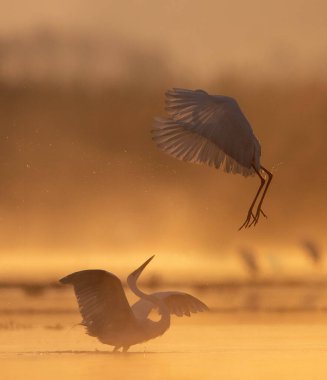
(136, 274)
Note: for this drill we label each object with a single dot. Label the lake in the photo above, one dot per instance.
(40, 339)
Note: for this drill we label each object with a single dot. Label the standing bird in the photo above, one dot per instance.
(250, 261)
(212, 130)
(313, 251)
(108, 316)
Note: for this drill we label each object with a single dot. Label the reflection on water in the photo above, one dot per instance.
(271, 297)
(231, 345)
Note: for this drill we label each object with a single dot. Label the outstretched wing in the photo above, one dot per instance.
(207, 129)
(178, 303)
(102, 301)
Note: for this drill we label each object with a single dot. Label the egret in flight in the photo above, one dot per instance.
(108, 316)
(212, 130)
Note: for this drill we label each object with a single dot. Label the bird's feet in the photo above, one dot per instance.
(248, 221)
(257, 216)
(251, 219)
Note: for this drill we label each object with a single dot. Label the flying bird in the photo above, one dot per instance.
(108, 316)
(212, 130)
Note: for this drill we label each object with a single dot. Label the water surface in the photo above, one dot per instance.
(45, 342)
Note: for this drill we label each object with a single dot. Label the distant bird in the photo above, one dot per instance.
(212, 130)
(313, 251)
(250, 260)
(108, 316)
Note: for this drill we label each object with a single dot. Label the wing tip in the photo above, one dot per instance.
(174, 91)
(65, 280)
(204, 307)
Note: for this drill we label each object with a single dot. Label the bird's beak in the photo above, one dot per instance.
(140, 269)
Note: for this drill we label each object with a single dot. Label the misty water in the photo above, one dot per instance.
(40, 337)
(83, 186)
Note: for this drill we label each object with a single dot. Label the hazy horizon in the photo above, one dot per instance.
(197, 41)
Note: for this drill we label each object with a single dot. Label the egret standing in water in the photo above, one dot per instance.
(108, 316)
(212, 130)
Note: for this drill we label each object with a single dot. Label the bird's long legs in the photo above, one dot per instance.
(259, 210)
(251, 218)
(116, 348)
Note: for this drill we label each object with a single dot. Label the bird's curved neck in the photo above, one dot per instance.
(163, 309)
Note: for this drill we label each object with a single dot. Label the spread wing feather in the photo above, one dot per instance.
(178, 303)
(102, 301)
(207, 129)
